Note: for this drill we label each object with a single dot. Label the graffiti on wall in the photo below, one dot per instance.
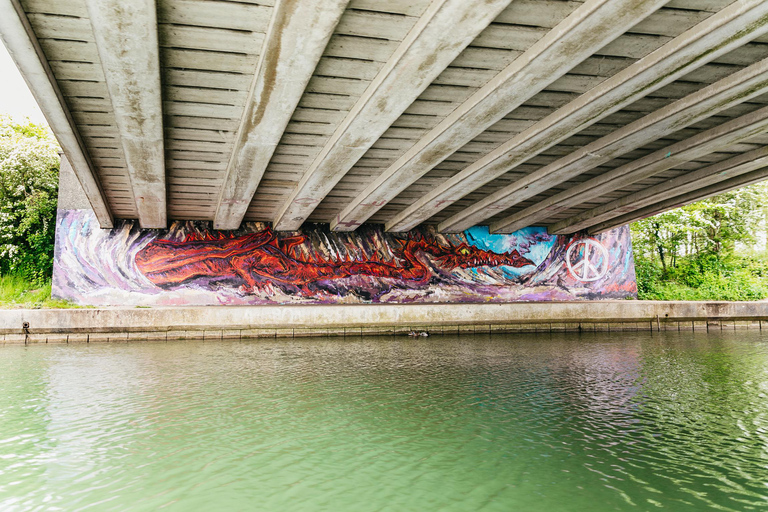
(192, 264)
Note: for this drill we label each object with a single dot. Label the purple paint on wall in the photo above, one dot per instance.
(190, 264)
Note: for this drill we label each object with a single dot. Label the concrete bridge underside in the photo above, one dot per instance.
(568, 114)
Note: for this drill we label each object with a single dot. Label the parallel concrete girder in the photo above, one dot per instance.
(707, 142)
(590, 27)
(297, 36)
(682, 200)
(723, 94)
(22, 44)
(687, 183)
(126, 37)
(730, 28)
(445, 29)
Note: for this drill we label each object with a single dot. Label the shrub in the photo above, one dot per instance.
(29, 176)
(704, 277)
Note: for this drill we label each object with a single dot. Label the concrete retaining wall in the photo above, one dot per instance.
(127, 324)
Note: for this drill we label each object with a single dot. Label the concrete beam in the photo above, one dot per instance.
(297, 36)
(443, 31)
(719, 34)
(682, 200)
(126, 38)
(22, 44)
(690, 182)
(723, 94)
(709, 141)
(585, 31)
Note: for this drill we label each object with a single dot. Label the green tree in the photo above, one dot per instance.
(711, 226)
(691, 252)
(661, 236)
(729, 218)
(29, 176)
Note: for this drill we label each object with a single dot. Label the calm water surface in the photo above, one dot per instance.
(531, 423)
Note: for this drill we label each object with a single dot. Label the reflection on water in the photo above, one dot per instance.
(560, 423)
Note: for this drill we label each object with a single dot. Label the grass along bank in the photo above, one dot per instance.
(17, 292)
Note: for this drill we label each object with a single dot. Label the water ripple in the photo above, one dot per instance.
(566, 423)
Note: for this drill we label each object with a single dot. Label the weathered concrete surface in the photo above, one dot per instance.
(722, 95)
(442, 33)
(123, 324)
(71, 195)
(25, 50)
(712, 38)
(402, 113)
(718, 138)
(589, 28)
(297, 37)
(677, 201)
(716, 173)
(127, 42)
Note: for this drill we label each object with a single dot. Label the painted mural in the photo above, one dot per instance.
(191, 264)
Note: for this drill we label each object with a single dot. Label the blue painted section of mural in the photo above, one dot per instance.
(190, 264)
(535, 243)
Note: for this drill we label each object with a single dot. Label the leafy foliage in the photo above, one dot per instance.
(29, 177)
(692, 253)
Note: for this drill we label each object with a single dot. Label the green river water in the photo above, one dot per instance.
(634, 421)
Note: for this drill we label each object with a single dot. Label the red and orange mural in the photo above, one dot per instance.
(193, 264)
(262, 259)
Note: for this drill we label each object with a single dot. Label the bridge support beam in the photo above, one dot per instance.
(687, 183)
(26, 52)
(712, 140)
(586, 30)
(438, 37)
(726, 93)
(703, 43)
(126, 37)
(297, 36)
(682, 200)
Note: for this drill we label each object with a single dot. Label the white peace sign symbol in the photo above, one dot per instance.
(593, 263)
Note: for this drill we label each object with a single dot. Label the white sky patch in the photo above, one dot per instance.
(15, 98)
